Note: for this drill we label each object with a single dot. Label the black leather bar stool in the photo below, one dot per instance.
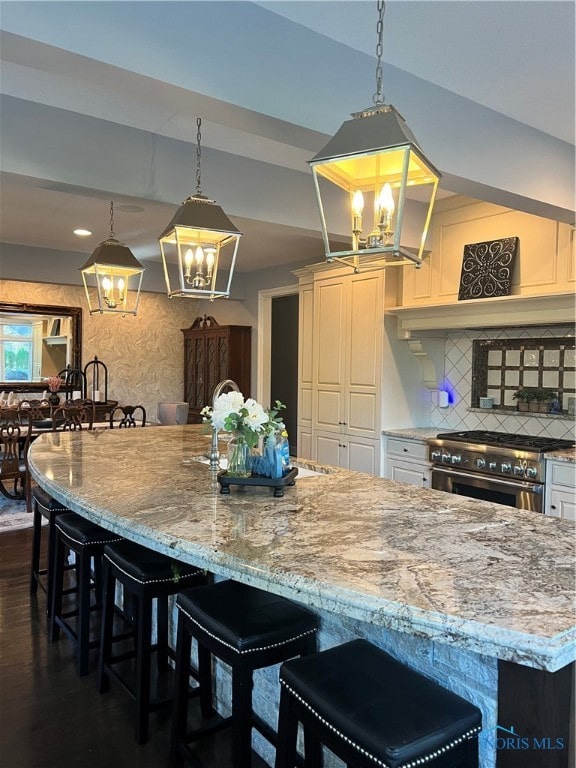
(371, 710)
(43, 505)
(86, 540)
(145, 575)
(247, 629)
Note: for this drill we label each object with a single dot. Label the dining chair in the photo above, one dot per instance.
(128, 416)
(73, 415)
(172, 413)
(15, 433)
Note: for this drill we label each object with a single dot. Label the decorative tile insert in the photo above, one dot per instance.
(547, 363)
(458, 381)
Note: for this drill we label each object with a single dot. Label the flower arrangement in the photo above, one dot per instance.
(54, 383)
(245, 418)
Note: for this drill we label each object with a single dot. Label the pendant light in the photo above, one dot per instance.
(199, 246)
(373, 160)
(112, 277)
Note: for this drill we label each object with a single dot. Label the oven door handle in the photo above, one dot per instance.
(532, 487)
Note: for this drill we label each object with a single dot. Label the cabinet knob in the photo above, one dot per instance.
(405, 450)
(552, 506)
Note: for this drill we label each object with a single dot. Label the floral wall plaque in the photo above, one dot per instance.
(487, 269)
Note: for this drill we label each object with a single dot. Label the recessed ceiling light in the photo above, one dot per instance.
(82, 232)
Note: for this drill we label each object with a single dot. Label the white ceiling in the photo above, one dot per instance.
(100, 101)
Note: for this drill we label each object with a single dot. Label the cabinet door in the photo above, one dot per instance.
(561, 504)
(361, 455)
(330, 353)
(364, 343)
(327, 447)
(407, 472)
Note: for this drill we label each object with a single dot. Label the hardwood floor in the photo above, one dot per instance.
(50, 717)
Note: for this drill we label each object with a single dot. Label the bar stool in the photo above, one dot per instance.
(247, 629)
(145, 575)
(43, 505)
(86, 540)
(371, 710)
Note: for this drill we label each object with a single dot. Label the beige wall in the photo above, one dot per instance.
(144, 354)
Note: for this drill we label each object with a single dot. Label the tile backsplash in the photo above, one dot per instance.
(458, 383)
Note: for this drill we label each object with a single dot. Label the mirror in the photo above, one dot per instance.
(37, 341)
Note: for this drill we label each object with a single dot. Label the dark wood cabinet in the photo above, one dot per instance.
(212, 353)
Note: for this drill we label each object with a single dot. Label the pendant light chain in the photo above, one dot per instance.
(378, 97)
(198, 156)
(112, 235)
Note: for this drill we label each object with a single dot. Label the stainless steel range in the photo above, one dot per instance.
(494, 466)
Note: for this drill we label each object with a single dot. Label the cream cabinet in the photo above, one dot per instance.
(407, 461)
(340, 367)
(560, 498)
(544, 262)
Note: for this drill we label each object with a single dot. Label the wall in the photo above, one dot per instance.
(144, 354)
(458, 382)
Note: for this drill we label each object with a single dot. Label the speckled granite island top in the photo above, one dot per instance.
(488, 578)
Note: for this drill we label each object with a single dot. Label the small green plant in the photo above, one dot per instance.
(526, 395)
(544, 395)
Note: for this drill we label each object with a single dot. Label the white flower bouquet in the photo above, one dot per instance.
(245, 418)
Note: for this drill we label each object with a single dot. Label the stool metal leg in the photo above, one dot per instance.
(241, 716)
(105, 653)
(143, 670)
(180, 709)
(57, 587)
(287, 732)
(83, 631)
(36, 536)
(162, 633)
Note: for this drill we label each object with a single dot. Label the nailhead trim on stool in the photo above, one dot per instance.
(146, 576)
(370, 710)
(247, 629)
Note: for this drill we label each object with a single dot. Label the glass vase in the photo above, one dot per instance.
(238, 457)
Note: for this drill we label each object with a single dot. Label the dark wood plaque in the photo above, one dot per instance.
(487, 269)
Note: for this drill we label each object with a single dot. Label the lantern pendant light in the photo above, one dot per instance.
(199, 246)
(373, 160)
(112, 277)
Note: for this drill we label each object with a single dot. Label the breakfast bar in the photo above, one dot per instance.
(476, 595)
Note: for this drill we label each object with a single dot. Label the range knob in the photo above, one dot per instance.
(456, 458)
(491, 466)
(506, 467)
(531, 472)
(445, 458)
(479, 463)
(518, 469)
(435, 455)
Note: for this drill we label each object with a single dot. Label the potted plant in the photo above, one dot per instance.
(543, 399)
(534, 399)
(525, 397)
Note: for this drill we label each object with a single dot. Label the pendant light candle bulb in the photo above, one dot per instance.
(188, 258)
(357, 209)
(386, 200)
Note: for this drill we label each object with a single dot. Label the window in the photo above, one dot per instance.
(16, 352)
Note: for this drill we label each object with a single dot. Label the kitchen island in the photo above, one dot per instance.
(470, 593)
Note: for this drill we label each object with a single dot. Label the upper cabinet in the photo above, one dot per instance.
(544, 267)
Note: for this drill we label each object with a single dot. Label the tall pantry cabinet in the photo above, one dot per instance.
(340, 367)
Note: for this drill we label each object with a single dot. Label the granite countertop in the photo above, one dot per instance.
(492, 579)
(413, 433)
(568, 455)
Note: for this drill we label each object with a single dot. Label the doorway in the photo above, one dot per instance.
(284, 362)
(278, 354)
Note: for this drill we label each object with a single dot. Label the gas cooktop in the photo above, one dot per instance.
(506, 440)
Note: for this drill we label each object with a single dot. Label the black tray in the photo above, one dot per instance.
(276, 483)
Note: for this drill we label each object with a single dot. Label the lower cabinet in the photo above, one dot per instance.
(560, 500)
(407, 462)
(359, 454)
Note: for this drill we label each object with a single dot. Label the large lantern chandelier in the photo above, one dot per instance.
(112, 277)
(373, 160)
(199, 245)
